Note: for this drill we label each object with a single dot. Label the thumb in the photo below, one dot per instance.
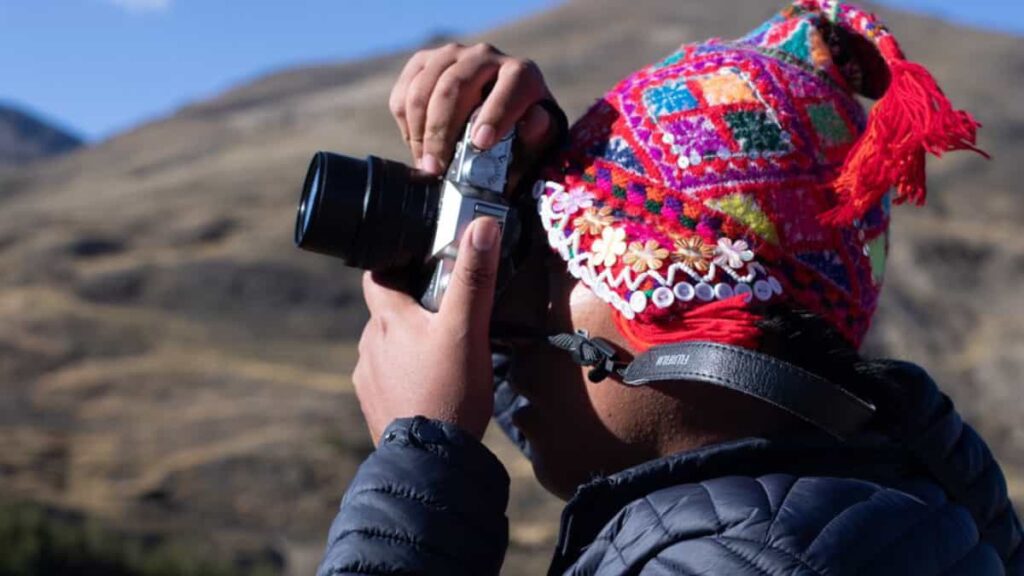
(467, 302)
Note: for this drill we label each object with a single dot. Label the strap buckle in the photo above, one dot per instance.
(587, 351)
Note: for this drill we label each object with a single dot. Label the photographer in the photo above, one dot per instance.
(717, 224)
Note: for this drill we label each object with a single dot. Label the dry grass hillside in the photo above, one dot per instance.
(172, 365)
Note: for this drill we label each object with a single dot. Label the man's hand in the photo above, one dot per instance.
(439, 88)
(416, 363)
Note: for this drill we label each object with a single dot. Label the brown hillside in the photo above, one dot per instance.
(171, 363)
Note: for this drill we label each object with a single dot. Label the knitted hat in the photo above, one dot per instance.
(735, 174)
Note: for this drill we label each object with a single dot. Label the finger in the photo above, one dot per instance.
(417, 98)
(386, 302)
(396, 101)
(466, 305)
(535, 134)
(458, 90)
(536, 130)
(518, 85)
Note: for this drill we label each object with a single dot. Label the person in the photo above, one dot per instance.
(713, 240)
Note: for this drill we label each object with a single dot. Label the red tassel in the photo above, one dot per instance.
(726, 321)
(912, 118)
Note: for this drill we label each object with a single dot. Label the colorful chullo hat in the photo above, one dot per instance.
(734, 175)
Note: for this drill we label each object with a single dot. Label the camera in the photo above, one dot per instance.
(381, 215)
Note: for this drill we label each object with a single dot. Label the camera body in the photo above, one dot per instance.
(380, 215)
(474, 186)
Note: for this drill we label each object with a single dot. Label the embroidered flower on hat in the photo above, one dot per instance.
(607, 249)
(572, 201)
(693, 252)
(593, 220)
(648, 278)
(644, 256)
(733, 253)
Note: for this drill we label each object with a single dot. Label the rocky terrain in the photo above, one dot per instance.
(24, 138)
(171, 365)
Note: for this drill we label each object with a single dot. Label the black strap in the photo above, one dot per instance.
(586, 351)
(793, 389)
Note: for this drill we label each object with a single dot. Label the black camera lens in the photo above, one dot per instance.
(374, 214)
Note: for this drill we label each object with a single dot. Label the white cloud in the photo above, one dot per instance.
(142, 5)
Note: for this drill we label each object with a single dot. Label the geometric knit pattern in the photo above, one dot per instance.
(702, 177)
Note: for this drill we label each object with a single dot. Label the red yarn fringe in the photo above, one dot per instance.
(914, 117)
(727, 321)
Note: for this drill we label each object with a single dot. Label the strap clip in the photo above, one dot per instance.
(587, 351)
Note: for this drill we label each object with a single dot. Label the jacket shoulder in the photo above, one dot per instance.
(802, 525)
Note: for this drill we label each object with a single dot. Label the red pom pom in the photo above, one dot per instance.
(913, 118)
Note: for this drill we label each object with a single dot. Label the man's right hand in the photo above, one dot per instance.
(439, 88)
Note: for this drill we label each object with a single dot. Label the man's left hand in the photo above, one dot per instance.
(416, 363)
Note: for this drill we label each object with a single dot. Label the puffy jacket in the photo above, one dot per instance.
(926, 498)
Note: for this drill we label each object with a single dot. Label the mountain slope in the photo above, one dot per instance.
(171, 363)
(24, 137)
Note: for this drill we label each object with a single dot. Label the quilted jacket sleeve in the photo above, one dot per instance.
(430, 500)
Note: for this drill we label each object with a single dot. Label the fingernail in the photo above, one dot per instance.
(483, 137)
(484, 234)
(430, 164)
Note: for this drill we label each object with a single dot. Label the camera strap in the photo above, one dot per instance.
(598, 353)
(803, 394)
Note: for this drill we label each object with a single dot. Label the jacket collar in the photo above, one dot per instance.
(868, 456)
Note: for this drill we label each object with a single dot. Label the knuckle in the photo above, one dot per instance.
(436, 133)
(476, 277)
(360, 377)
(397, 106)
(416, 101)
(450, 49)
(524, 69)
(418, 57)
(482, 49)
(450, 86)
(516, 67)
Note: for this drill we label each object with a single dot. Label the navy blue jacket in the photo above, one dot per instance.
(925, 497)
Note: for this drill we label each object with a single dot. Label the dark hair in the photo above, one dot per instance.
(805, 340)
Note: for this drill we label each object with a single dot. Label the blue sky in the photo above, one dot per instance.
(101, 66)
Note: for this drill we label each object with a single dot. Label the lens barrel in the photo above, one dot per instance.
(374, 214)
